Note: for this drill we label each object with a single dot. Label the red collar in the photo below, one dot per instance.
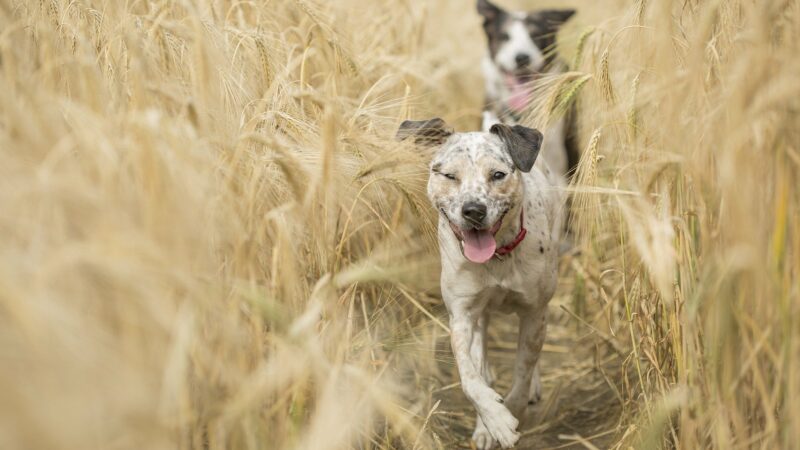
(506, 249)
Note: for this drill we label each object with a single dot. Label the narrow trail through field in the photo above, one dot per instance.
(580, 405)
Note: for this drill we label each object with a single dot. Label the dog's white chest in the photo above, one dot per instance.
(503, 299)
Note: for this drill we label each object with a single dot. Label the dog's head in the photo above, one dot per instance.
(521, 44)
(475, 177)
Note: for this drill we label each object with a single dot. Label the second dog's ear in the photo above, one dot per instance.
(488, 10)
(554, 18)
(523, 144)
(425, 132)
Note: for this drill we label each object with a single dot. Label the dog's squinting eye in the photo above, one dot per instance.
(449, 176)
(504, 36)
(498, 175)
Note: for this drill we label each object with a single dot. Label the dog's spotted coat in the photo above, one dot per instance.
(463, 171)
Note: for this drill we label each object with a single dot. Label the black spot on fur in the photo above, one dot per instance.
(541, 249)
(501, 155)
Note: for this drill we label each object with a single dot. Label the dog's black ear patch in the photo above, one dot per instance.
(523, 144)
(554, 18)
(425, 132)
(488, 10)
(494, 19)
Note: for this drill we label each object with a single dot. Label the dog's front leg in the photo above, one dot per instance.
(478, 348)
(497, 419)
(532, 327)
(489, 118)
(483, 439)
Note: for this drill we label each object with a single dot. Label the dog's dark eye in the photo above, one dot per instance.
(498, 175)
(504, 36)
(449, 176)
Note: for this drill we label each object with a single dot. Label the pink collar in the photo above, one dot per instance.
(506, 249)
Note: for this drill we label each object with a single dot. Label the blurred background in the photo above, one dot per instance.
(210, 240)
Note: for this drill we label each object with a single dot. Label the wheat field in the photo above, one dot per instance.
(210, 240)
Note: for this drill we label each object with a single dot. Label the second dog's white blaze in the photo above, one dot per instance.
(519, 43)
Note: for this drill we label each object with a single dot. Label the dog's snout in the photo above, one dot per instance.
(523, 60)
(474, 212)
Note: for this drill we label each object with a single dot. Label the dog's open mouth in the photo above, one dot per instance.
(520, 90)
(479, 244)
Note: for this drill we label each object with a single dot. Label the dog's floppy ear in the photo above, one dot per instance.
(488, 10)
(523, 143)
(425, 132)
(554, 18)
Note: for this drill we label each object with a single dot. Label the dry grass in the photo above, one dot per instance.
(210, 240)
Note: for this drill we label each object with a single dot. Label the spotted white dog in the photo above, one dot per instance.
(500, 220)
(521, 47)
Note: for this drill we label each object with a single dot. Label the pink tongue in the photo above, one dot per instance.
(520, 93)
(479, 245)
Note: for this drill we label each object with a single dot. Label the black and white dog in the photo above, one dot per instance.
(521, 48)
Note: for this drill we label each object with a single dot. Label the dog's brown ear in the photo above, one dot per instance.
(554, 18)
(523, 144)
(488, 10)
(425, 132)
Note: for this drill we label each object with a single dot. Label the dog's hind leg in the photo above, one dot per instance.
(488, 118)
(531, 339)
(535, 392)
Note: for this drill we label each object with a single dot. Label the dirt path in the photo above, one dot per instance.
(580, 406)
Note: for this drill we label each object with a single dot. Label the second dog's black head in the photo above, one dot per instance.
(521, 43)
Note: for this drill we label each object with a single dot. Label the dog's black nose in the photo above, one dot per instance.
(474, 212)
(523, 60)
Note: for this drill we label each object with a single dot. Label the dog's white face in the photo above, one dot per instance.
(521, 43)
(475, 178)
(473, 182)
(515, 52)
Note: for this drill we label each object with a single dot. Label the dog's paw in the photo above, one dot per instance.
(501, 424)
(481, 437)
